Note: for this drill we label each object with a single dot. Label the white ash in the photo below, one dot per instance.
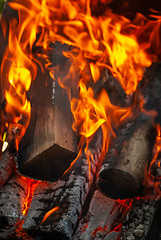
(139, 220)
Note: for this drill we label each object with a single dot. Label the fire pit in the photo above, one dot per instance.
(80, 120)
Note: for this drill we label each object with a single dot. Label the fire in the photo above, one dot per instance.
(49, 213)
(155, 163)
(109, 41)
(90, 114)
(31, 186)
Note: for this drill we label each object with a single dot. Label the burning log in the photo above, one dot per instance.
(49, 144)
(12, 196)
(6, 166)
(97, 223)
(67, 197)
(122, 172)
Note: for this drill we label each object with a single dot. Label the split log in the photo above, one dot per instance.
(12, 196)
(101, 215)
(6, 166)
(123, 170)
(49, 144)
(68, 194)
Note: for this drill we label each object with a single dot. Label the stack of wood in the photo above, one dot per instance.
(68, 206)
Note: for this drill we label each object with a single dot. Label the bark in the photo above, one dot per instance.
(12, 196)
(6, 166)
(69, 194)
(123, 170)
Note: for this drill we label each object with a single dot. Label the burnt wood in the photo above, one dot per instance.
(124, 167)
(99, 219)
(6, 167)
(12, 196)
(49, 144)
(69, 194)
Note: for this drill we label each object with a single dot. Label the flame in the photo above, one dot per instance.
(156, 151)
(31, 186)
(49, 213)
(107, 41)
(90, 114)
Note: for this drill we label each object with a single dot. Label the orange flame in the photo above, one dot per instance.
(109, 41)
(31, 186)
(90, 114)
(49, 213)
(156, 149)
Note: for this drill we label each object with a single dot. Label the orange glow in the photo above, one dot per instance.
(156, 149)
(97, 43)
(49, 213)
(31, 185)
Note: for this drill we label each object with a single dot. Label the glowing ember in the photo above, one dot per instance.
(30, 191)
(155, 163)
(49, 213)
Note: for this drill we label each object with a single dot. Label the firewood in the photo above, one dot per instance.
(68, 194)
(123, 170)
(6, 166)
(112, 86)
(12, 196)
(97, 223)
(49, 144)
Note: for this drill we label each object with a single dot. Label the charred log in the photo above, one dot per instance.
(101, 215)
(123, 170)
(6, 166)
(68, 194)
(12, 196)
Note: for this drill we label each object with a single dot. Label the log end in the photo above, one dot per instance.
(117, 184)
(49, 165)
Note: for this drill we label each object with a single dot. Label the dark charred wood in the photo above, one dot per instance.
(113, 88)
(12, 196)
(150, 89)
(124, 167)
(126, 8)
(49, 144)
(6, 166)
(97, 223)
(69, 194)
